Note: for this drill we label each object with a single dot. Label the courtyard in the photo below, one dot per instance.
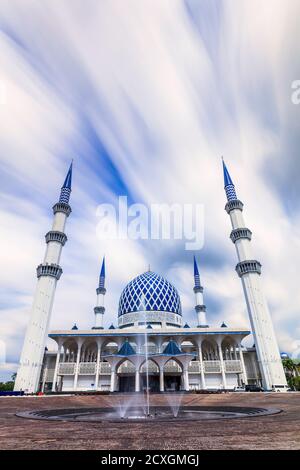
(279, 431)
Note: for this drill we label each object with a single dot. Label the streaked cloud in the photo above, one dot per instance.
(146, 97)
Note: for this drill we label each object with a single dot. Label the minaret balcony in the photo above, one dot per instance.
(234, 204)
(55, 236)
(200, 308)
(248, 266)
(101, 290)
(239, 233)
(198, 290)
(62, 207)
(99, 310)
(53, 270)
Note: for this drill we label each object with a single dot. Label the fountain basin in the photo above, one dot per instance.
(156, 413)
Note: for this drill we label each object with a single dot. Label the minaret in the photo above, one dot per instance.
(249, 270)
(101, 291)
(198, 290)
(48, 273)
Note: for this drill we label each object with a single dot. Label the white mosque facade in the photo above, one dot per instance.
(150, 336)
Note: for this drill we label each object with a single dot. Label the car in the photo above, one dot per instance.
(280, 388)
(239, 389)
(253, 388)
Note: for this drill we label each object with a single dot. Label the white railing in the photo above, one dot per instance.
(49, 375)
(151, 350)
(66, 368)
(104, 368)
(233, 366)
(126, 368)
(87, 368)
(152, 367)
(212, 366)
(194, 367)
(172, 367)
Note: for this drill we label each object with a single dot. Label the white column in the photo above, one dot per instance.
(137, 379)
(161, 379)
(243, 365)
(202, 368)
(45, 374)
(56, 367)
(113, 379)
(186, 378)
(222, 366)
(79, 344)
(97, 366)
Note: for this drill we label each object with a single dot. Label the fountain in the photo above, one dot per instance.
(143, 309)
(174, 401)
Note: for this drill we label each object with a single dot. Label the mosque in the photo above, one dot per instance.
(151, 338)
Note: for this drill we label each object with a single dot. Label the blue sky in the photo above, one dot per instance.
(146, 96)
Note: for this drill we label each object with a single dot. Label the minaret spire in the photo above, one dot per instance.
(48, 273)
(66, 187)
(249, 270)
(228, 184)
(198, 290)
(99, 310)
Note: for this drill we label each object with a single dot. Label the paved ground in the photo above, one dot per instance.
(281, 431)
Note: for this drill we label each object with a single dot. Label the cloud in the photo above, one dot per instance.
(146, 97)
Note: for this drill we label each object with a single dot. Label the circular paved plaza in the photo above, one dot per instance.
(256, 431)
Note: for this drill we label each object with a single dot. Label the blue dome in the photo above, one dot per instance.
(151, 289)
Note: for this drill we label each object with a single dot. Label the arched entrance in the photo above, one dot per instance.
(153, 374)
(126, 376)
(172, 375)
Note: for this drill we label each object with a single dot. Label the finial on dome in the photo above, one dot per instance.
(67, 187)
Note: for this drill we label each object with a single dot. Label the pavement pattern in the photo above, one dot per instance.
(281, 431)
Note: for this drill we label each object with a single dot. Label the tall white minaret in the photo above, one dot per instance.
(48, 273)
(100, 291)
(249, 270)
(198, 290)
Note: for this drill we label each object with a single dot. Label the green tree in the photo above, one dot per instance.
(294, 383)
(7, 386)
(289, 367)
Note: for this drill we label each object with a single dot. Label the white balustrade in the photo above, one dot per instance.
(151, 349)
(172, 367)
(66, 368)
(87, 368)
(212, 366)
(152, 367)
(233, 366)
(126, 368)
(194, 367)
(104, 368)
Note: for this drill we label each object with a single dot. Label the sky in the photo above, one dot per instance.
(145, 97)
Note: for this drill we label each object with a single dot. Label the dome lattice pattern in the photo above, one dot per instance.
(150, 292)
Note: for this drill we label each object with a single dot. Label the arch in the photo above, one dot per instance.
(122, 361)
(70, 347)
(173, 376)
(150, 360)
(210, 350)
(228, 346)
(152, 347)
(174, 359)
(110, 346)
(89, 350)
(189, 345)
